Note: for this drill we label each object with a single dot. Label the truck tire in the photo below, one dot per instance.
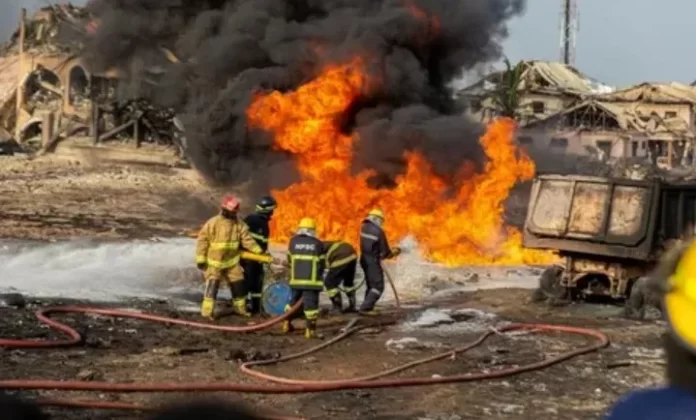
(638, 300)
(550, 288)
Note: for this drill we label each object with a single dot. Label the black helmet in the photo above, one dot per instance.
(266, 204)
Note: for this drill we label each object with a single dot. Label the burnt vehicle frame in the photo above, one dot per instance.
(608, 232)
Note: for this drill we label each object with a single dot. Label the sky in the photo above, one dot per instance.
(620, 42)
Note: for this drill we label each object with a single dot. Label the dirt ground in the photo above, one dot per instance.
(60, 197)
(53, 198)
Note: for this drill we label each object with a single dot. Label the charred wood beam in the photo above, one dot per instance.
(94, 124)
(152, 129)
(68, 130)
(117, 130)
(49, 87)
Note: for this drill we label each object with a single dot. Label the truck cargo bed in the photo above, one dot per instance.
(592, 215)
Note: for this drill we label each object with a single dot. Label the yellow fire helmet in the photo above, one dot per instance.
(377, 213)
(307, 223)
(680, 299)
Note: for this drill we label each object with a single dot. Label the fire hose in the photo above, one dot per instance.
(284, 385)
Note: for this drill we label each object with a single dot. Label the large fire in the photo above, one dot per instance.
(455, 229)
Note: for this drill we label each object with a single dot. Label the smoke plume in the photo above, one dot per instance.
(229, 49)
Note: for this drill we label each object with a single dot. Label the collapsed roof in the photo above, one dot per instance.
(661, 93)
(50, 30)
(546, 77)
(629, 117)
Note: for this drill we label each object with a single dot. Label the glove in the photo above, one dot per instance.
(202, 266)
(395, 252)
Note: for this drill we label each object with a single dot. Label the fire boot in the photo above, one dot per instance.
(208, 308)
(351, 303)
(209, 295)
(239, 307)
(337, 303)
(369, 312)
(311, 330)
(286, 327)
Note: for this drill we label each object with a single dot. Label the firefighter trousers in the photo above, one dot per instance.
(232, 277)
(341, 276)
(374, 278)
(310, 303)
(253, 279)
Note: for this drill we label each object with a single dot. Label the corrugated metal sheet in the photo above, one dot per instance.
(654, 92)
(629, 118)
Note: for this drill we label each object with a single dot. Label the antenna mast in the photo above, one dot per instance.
(569, 31)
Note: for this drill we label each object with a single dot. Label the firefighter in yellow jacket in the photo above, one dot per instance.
(218, 248)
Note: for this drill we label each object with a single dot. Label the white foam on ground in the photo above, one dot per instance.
(450, 321)
(114, 271)
(97, 271)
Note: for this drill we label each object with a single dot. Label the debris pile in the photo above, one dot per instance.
(49, 31)
(59, 83)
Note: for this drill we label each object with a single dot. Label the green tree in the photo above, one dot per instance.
(508, 94)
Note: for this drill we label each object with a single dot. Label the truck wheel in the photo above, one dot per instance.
(637, 300)
(550, 288)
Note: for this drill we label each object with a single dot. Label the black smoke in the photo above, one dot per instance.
(229, 49)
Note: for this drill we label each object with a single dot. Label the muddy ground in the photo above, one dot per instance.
(55, 198)
(117, 350)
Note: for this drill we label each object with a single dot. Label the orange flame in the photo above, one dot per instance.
(466, 228)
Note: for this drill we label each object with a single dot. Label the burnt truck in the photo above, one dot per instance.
(609, 233)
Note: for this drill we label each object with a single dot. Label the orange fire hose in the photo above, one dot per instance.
(286, 385)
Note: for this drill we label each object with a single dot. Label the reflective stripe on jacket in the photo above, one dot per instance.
(306, 255)
(339, 253)
(259, 228)
(373, 241)
(221, 241)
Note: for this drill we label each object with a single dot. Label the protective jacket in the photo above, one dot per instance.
(259, 228)
(675, 401)
(373, 242)
(669, 403)
(306, 256)
(339, 253)
(220, 243)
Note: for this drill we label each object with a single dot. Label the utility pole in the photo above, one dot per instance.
(569, 30)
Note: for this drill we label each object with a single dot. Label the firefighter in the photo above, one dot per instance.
(306, 255)
(341, 261)
(673, 285)
(258, 223)
(374, 248)
(218, 248)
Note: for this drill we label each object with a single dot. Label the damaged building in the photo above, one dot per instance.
(47, 92)
(651, 121)
(544, 89)
(563, 111)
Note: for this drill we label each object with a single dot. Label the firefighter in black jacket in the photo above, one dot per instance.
(374, 248)
(306, 256)
(259, 229)
(341, 260)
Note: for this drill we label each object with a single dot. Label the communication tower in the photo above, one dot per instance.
(569, 30)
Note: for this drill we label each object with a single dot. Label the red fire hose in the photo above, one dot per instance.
(286, 385)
